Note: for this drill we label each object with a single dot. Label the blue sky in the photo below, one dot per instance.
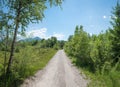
(94, 15)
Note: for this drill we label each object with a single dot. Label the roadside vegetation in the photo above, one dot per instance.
(98, 55)
(30, 56)
(19, 59)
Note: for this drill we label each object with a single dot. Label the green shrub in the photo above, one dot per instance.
(27, 61)
(17, 50)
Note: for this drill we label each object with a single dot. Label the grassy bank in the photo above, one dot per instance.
(26, 63)
(111, 79)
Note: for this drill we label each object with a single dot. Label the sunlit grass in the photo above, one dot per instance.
(111, 79)
(27, 62)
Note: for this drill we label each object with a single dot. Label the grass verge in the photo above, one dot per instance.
(26, 63)
(111, 79)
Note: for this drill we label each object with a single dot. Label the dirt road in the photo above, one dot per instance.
(58, 73)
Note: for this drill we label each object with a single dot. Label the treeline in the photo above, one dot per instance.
(52, 43)
(91, 51)
(42, 43)
(98, 53)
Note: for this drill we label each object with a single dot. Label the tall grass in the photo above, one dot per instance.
(109, 79)
(26, 63)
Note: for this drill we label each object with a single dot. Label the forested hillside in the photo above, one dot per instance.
(98, 54)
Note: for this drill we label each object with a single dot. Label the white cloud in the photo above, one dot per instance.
(91, 34)
(42, 33)
(104, 17)
(59, 36)
(37, 33)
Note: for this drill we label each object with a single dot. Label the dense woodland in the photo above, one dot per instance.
(98, 54)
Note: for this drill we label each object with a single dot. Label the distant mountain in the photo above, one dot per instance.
(31, 39)
(36, 38)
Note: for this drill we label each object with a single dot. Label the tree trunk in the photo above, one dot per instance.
(12, 48)
(6, 48)
(14, 40)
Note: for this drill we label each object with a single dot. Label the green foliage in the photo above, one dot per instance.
(61, 44)
(32, 59)
(49, 43)
(34, 42)
(22, 13)
(100, 47)
(18, 15)
(109, 80)
(78, 46)
(115, 33)
(26, 63)
(52, 43)
(98, 55)
(95, 55)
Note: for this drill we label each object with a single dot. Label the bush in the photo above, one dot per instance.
(17, 50)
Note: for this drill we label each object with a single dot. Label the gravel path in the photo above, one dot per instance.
(58, 73)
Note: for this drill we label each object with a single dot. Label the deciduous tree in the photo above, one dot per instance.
(24, 12)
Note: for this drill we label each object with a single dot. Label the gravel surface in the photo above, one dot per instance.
(58, 73)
